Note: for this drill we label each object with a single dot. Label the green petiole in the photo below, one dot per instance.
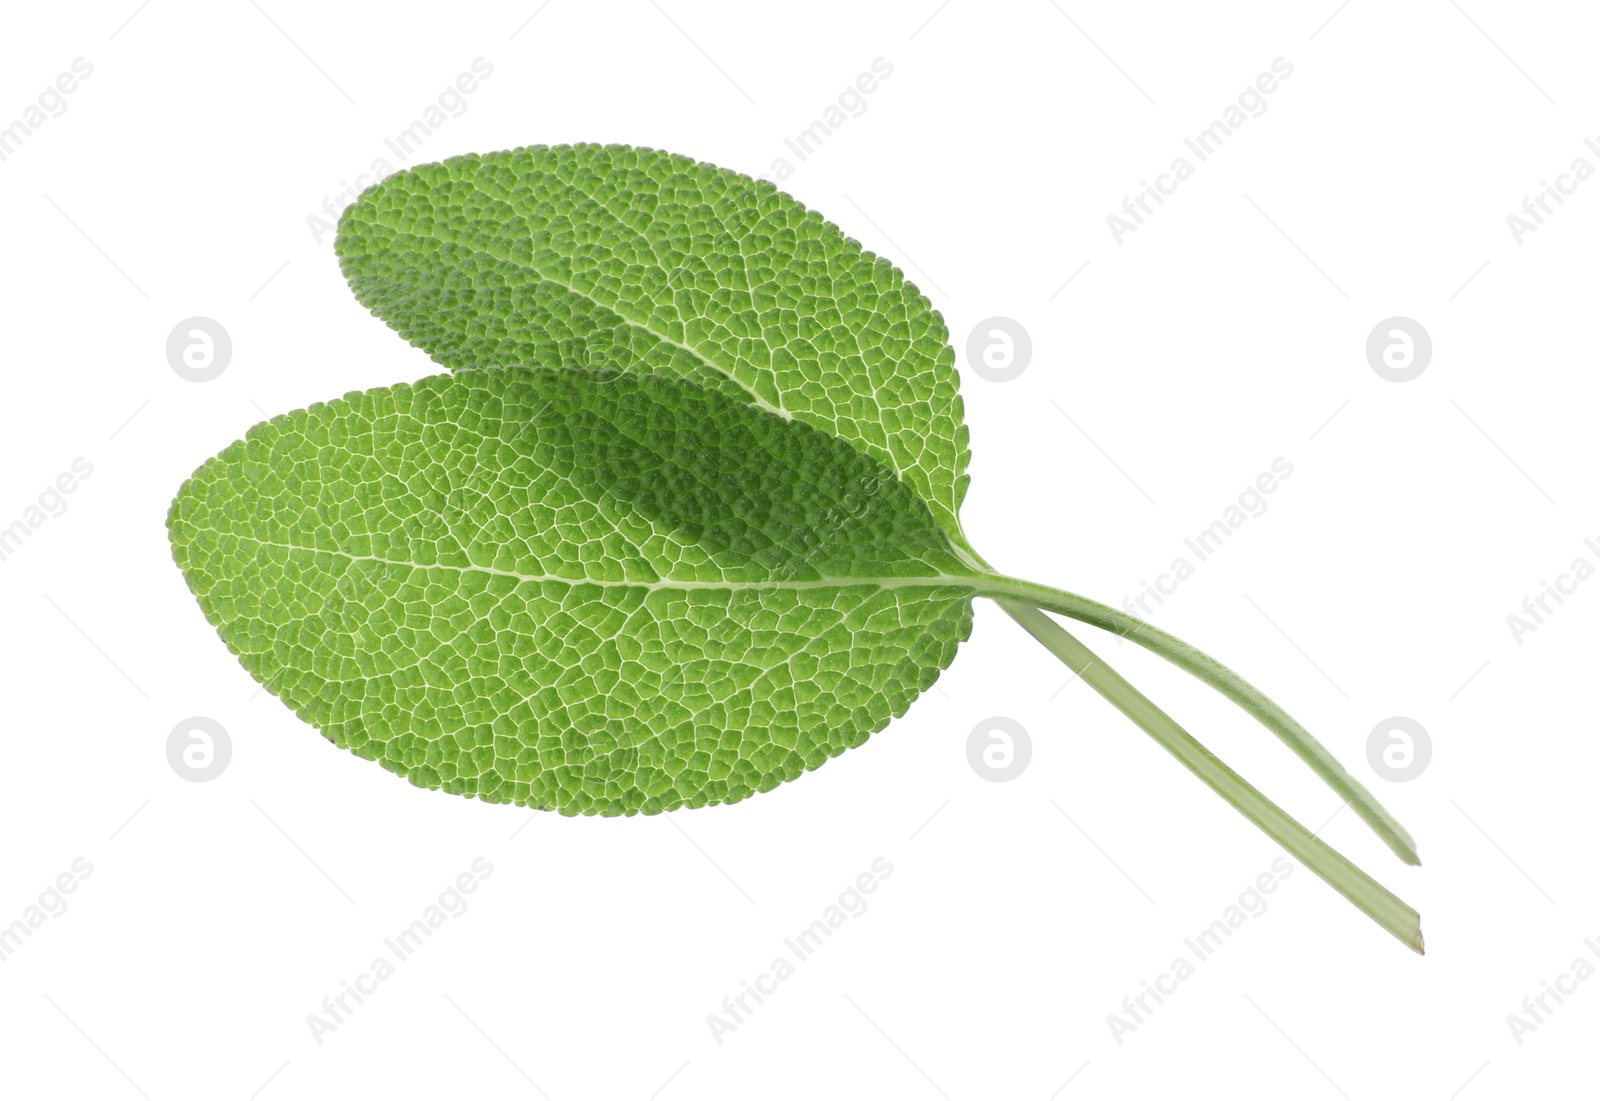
(1371, 897)
(1231, 685)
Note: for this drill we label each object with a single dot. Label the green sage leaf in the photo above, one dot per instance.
(590, 591)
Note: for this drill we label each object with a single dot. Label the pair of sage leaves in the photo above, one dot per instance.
(681, 523)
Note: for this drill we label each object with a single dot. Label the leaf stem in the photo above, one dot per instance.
(1371, 897)
(1226, 681)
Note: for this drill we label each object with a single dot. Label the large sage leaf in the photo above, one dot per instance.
(593, 592)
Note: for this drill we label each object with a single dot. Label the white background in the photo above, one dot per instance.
(1224, 333)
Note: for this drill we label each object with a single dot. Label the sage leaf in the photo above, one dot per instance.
(614, 256)
(588, 591)
(684, 523)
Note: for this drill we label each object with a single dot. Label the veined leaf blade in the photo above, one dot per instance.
(594, 592)
(615, 256)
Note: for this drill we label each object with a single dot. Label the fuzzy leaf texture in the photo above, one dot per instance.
(594, 256)
(595, 592)
(614, 256)
(643, 260)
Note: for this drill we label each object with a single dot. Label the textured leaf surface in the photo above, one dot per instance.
(590, 591)
(612, 256)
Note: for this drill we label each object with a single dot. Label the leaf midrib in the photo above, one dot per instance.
(886, 456)
(935, 581)
(541, 274)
